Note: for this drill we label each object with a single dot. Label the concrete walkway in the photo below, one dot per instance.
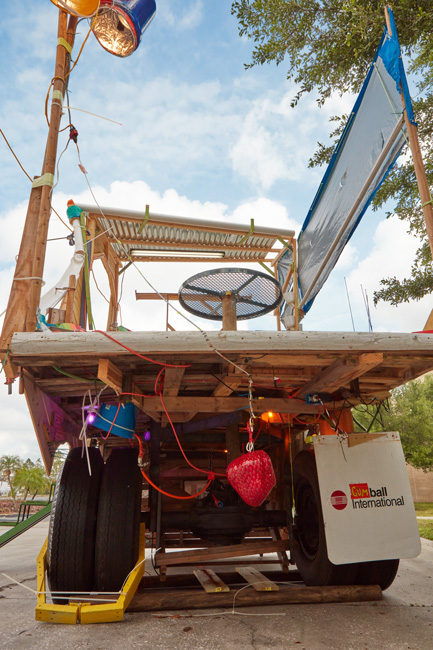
(403, 620)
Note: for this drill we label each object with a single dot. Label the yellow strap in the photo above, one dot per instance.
(266, 267)
(46, 179)
(57, 94)
(427, 203)
(249, 233)
(145, 220)
(66, 45)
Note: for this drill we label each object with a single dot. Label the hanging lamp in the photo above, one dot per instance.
(120, 24)
(78, 7)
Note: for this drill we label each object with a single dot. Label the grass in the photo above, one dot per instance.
(424, 509)
(425, 526)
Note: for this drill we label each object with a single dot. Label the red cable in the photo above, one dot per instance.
(159, 363)
(158, 392)
(112, 424)
(173, 496)
(180, 446)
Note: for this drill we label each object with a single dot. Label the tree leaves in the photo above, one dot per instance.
(328, 46)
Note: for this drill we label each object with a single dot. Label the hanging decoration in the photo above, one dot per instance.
(120, 24)
(83, 8)
(252, 474)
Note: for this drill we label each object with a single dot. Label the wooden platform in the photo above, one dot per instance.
(57, 368)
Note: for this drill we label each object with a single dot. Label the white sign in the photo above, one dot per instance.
(366, 499)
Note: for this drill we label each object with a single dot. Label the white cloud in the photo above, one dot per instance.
(188, 19)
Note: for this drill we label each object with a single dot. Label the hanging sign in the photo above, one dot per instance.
(366, 498)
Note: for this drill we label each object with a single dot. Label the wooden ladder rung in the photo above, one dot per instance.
(210, 582)
(257, 579)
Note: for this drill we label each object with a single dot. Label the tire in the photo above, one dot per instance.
(118, 524)
(310, 553)
(72, 529)
(380, 572)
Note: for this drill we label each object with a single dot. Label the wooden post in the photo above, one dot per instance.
(229, 312)
(25, 294)
(17, 309)
(70, 299)
(49, 164)
(418, 163)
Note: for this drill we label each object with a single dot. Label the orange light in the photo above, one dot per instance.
(270, 414)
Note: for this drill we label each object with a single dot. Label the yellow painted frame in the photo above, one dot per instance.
(86, 613)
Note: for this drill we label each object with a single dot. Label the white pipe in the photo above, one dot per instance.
(52, 297)
(164, 219)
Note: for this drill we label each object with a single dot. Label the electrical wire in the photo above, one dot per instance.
(159, 363)
(178, 442)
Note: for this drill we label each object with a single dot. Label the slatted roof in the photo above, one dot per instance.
(133, 233)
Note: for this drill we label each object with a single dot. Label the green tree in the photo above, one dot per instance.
(9, 465)
(328, 46)
(411, 414)
(31, 477)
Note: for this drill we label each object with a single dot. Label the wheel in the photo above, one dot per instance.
(380, 572)
(118, 525)
(71, 533)
(310, 554)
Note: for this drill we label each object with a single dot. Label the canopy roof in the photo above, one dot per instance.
(137, 234)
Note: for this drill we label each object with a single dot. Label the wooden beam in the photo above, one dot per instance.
(51, 423)
(226, 405)
(219, 552)
(242, 342)
(172, 381)
(110, 374)
(189, 599)
(340, 373)
(156, 296)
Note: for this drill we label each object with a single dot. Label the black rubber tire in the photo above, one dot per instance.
(118, 525)
(72, 529)
(379, 572)
(311, 555)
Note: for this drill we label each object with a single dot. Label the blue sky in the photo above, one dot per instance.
(200, 136)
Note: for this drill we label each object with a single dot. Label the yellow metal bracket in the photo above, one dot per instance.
(86, 613)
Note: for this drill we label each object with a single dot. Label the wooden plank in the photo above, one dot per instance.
(360, 438)
(225, 404)
(154, 600)
(210, 582)
(256, 579)
(51, 423)
(190, 343)
(341, 372)
(230, 382)
(110, 374)
(172, 381)
(156, 296)
(220, 552)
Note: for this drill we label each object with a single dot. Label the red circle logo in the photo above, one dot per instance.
(338, 500)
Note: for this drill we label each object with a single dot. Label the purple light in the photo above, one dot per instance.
(147, 436)
(91, 417)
